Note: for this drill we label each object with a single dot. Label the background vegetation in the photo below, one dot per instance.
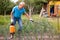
(41, 25)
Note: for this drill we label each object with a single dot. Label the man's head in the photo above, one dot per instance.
(21, 5)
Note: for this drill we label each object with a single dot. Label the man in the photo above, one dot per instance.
(16, 14)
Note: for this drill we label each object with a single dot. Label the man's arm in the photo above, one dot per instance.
(13, 10)
(27, 16)
(11, 15)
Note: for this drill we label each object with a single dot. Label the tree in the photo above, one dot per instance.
(30, 4)
(34, 5)
(4, 6)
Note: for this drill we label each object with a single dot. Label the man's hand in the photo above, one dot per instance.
(11, 20)
(31, 20)
(29, 17)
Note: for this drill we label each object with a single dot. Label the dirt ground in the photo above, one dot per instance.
(39, 37)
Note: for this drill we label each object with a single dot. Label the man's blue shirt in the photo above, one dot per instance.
(18, 12)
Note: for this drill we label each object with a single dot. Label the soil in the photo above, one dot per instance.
(39, 37)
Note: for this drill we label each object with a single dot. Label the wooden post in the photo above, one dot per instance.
(48, 10)
(55, 9)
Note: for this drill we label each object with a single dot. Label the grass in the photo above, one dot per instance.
(43, 25)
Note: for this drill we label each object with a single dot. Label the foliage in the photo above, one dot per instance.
(5, 6)
(40, 26)
(36, 5)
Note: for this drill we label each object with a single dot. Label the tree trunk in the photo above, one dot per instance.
(5, 14)
(30, 10)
